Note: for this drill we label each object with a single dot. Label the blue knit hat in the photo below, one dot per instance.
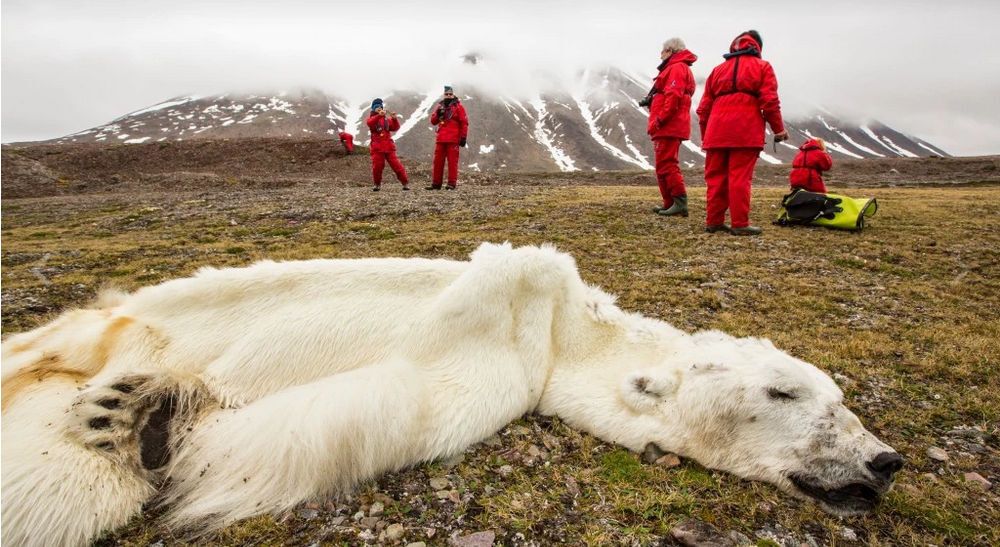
(447, 89)
(376, 104)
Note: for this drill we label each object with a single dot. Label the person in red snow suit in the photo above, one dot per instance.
(670, 123)
(347, 140)
(452, 129)
(383, 149)
(808, 166)
(741, 94)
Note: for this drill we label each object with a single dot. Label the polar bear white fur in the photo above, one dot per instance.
(255, 389)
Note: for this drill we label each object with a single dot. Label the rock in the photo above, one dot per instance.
(369, 522)
(442, 494)
(534, 451)
(308, 514)
(416, 544)
(376, 509)
(440, 483)
(358, 516)
(337, 521)
(506, 471)
(478, 539)
(978, 479)
(453, 461)
(937, 454)
(430, 532)
(738, 538)
(652, 453)
(572, 487)
(394, 532)
(848, 534)
(668, 461)
(695, 533)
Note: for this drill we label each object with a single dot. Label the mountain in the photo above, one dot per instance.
(594, 124)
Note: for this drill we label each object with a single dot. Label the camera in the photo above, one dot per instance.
(646, 101)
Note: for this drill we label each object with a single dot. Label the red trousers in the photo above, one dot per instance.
(668, 172)
(444, 150)
(348, 143)
(812, 186)
(378, 163)
(728, 172)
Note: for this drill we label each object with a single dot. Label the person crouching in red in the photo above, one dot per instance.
(670, 123)
(740, 95)
(452, 129)
(808, 166)
(347, 140)
(383, 149)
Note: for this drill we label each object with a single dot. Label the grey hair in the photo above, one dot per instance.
(674, 44)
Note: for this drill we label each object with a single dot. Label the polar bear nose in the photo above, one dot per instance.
(885, 465)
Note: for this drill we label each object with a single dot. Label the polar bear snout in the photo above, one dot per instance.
(885, 466)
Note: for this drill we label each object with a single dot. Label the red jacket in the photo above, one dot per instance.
(381, 128)
(670, 112)
(808, 165)
(453, 125)
(739, 96)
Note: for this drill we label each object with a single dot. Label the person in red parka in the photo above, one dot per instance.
(452, 130)
(740, 95)
(670, 123)
(347, 140)
(381, 126)
(808, 166)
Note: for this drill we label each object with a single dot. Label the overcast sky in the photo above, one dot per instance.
(928, 68)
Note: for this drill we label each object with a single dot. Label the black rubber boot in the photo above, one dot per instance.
(716, 228)
(679, 208)
(746, 231)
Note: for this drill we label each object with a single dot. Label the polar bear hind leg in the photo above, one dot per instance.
(79, 463)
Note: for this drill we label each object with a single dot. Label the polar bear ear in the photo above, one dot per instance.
(642, 390)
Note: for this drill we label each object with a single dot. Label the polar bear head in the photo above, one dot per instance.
(743, 406)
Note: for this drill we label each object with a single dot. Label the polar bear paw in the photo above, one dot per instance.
(126, 421)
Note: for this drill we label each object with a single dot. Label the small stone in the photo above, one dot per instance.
(978, 479)
(506, 471)
(695, 533)
(416, 544)
(358, 516)
(937, 454)
(668, 461)
(369, 522)
(440, 483)
(308, 514)
(572, 487)
(478, 539)
(848, 534)
(394, 532)
(376, 509)
(430, 532)
(453, 461)
(442, 494)
(738, 538)
(652, 453)
(337, 521)
(534, 451)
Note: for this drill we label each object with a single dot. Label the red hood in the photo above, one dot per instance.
(811, 144)
(682, 56)
(744, 41)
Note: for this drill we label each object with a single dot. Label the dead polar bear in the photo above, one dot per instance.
(255, 389)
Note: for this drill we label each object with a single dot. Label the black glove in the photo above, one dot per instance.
(440, 113)
(462, 142)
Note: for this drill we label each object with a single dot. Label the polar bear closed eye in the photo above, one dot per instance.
(245, 391)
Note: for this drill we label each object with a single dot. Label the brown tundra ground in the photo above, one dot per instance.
(904, 315)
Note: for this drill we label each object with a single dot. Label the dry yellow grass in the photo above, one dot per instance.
(906, 311)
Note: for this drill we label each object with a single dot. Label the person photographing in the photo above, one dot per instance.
(452, 125)
(382, 125)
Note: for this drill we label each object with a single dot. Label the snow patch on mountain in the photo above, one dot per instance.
(590, 119)
(544, 137)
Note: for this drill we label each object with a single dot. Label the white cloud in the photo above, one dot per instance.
(924, 67)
